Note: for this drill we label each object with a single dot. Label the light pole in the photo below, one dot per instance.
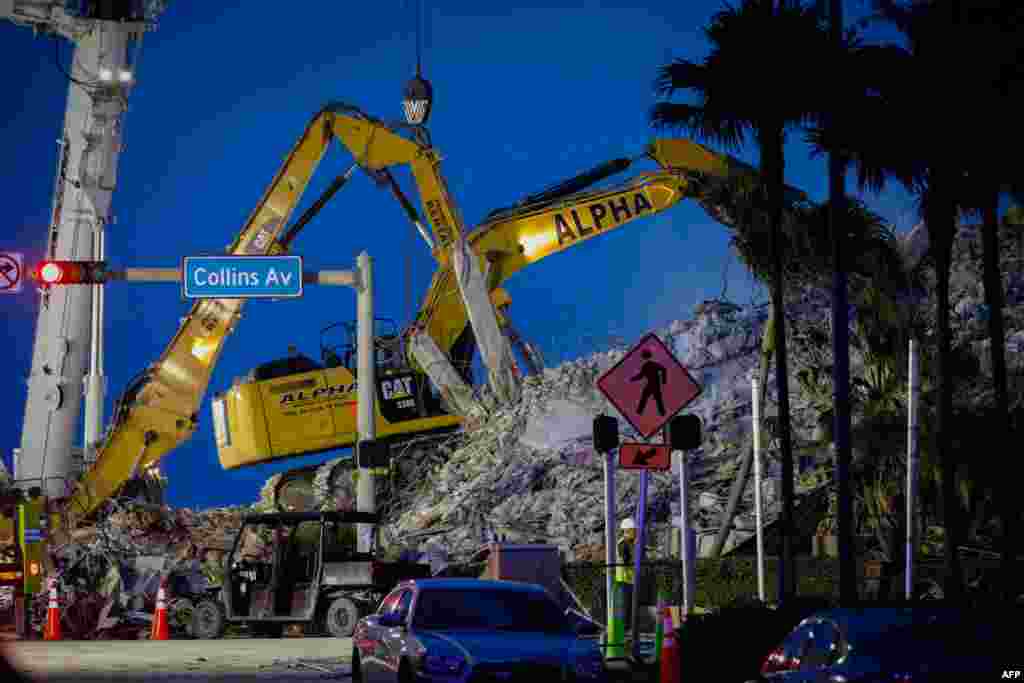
(366, 500)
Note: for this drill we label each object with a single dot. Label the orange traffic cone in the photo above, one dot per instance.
(670, 655)
(160, 630)
(52, 630)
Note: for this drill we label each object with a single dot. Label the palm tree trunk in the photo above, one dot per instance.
(773, 176)
(994, 300)
(941, 223)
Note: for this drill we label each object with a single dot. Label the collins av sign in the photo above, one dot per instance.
(242, 277)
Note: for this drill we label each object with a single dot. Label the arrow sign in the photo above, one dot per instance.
(645, 456)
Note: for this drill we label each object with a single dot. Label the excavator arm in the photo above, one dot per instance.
(160, 409)
(515, 238)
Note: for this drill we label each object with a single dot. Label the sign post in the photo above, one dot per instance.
(638, 558)
(649, 386)
(686, 549)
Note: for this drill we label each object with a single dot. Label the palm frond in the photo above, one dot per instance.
(681, 74)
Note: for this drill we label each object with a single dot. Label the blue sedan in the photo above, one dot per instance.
(472, 631)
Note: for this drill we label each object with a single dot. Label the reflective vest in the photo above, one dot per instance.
(624, 573)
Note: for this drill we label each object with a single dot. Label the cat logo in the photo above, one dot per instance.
(618, 207)
(396, 388)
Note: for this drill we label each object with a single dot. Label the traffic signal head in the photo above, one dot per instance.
(684, 432)
(70, 272)
(606, 433)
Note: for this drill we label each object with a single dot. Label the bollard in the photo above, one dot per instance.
(615, 646)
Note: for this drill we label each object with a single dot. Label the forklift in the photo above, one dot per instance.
(300, 568)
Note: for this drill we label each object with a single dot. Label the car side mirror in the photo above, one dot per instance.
(391, 620)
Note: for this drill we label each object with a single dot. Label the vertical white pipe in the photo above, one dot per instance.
(686, 545)
(609, 529)
(94, 381)
(758, 506)
(912, 465)
(638, 558)
(365, 383)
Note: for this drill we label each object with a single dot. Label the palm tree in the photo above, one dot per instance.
(840, 317)
(912, 84)
(996, 90)
(747, 88)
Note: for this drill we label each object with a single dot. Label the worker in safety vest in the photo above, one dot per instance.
(624, 571)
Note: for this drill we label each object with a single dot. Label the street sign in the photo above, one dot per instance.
(648, 386)
(12, 272)
(645, 456)
(242, 277)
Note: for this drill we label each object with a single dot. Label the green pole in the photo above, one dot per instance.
(659, 625)
(616, 640)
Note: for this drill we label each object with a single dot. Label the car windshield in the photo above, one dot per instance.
(488, 609)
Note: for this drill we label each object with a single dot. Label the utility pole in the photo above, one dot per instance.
(106, 37)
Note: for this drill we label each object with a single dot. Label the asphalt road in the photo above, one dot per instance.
(229, 659)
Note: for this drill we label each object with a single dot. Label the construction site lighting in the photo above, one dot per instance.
(125, 76)
(106, 75)
(417, 99)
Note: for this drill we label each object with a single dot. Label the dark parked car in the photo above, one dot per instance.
(472, 631)
(895, 645)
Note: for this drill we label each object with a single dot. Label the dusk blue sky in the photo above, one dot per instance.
(524, 96)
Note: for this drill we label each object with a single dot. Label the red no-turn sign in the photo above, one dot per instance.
(12, 272)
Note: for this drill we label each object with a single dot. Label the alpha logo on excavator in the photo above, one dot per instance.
(335, 391)
(617, 209)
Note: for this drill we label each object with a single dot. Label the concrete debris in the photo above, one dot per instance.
(109, 574)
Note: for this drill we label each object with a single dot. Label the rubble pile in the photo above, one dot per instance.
(108, 574)
(530, 473)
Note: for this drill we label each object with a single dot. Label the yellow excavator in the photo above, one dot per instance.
(297, 406)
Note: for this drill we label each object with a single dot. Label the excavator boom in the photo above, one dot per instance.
(515, 238)
(160, 410)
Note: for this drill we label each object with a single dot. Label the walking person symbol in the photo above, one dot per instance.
(656, 375)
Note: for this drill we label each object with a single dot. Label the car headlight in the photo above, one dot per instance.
(442, 664)
(589, 665)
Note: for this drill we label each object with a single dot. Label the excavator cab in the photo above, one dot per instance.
(387, 342)
(299, 406)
